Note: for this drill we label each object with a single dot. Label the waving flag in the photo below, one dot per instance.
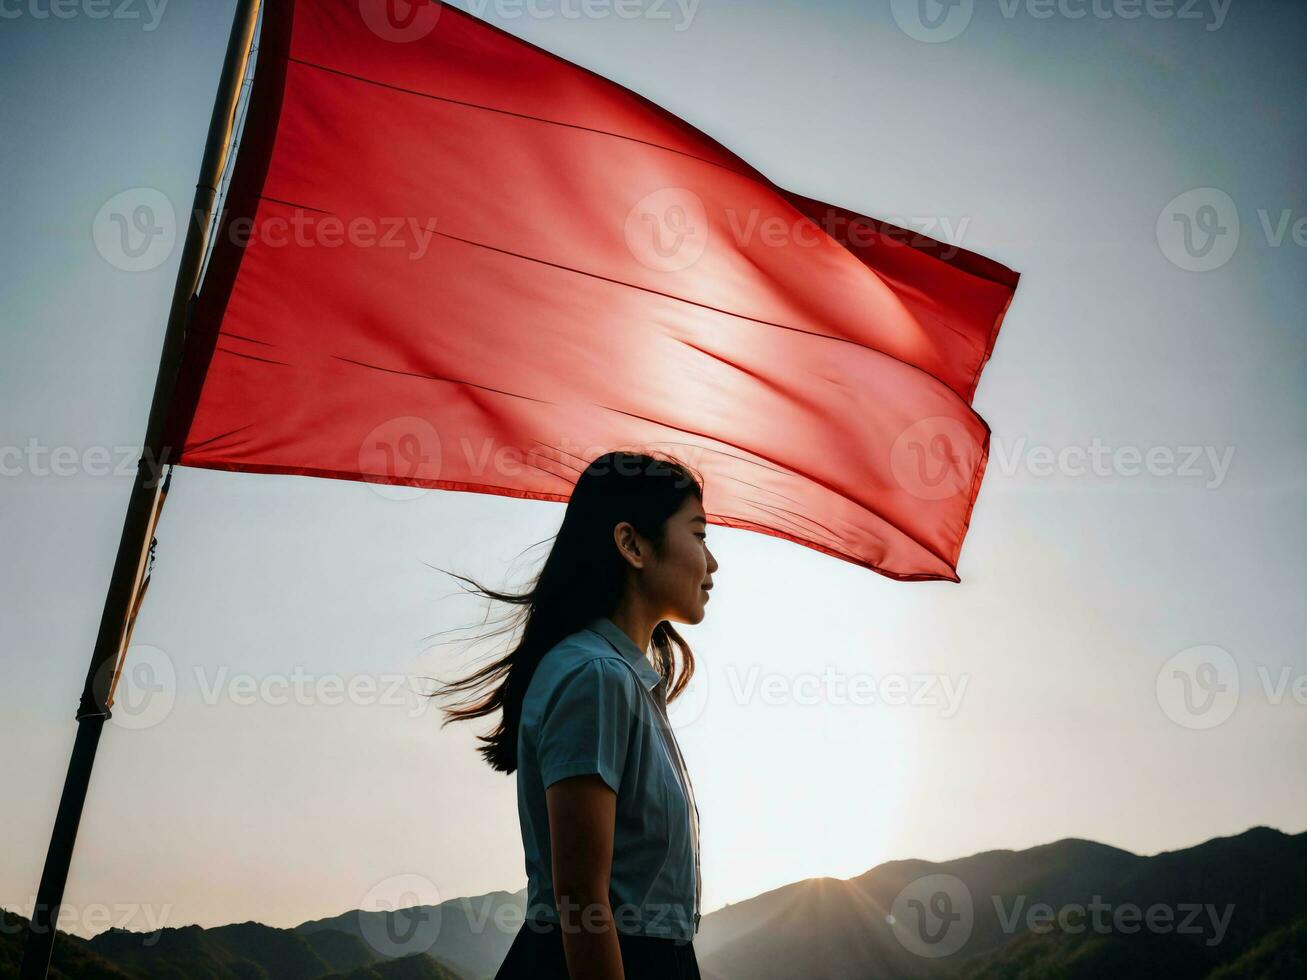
(451, 259)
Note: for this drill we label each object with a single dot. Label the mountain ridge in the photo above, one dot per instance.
(1240, 892)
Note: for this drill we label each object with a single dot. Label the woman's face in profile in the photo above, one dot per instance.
(680, 574)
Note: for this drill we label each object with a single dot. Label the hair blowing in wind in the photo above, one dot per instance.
(584, 576)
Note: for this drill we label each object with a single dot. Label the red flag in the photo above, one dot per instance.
(451, 259)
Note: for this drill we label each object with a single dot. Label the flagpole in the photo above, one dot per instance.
(143, 508)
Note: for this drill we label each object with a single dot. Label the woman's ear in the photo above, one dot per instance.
(629, 545)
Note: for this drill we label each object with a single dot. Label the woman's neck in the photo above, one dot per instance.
(636, 621)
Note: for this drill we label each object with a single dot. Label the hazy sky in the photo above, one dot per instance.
(1145, 496)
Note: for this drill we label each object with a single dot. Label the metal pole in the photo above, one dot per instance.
(142, 508)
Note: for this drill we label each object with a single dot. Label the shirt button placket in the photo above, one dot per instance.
(683, 774)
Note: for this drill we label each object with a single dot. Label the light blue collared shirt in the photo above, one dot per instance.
(593, 706)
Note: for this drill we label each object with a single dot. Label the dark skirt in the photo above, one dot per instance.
(537, 954)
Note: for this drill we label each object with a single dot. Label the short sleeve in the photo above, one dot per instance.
(588, 724)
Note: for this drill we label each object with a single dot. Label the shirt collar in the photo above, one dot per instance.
(632, 654)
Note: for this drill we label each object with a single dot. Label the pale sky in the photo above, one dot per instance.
(1145, 495)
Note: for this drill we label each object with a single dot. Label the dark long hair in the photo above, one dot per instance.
(582, 578)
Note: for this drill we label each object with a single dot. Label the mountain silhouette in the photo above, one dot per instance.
(246, 951)
(1227, 893)
(472, 934)
(1282, 955)
(72, 958)
(1232, 908)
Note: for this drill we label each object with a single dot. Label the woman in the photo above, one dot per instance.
(609, 824)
